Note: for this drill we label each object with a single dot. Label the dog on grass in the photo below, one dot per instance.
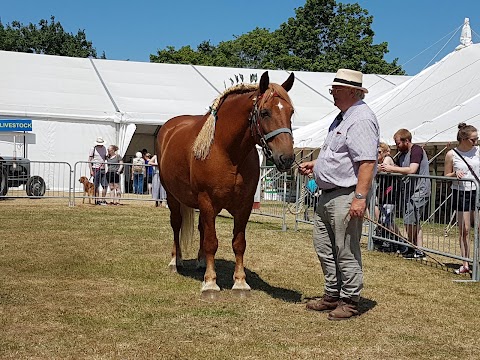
(88, 189)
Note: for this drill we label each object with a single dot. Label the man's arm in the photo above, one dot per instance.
(365, 178)
(411, 169)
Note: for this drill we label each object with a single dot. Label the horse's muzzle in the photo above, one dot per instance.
(284, 162)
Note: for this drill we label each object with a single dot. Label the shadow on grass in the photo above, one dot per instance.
(225, 271)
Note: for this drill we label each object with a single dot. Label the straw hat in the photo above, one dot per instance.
(349, 78)
(99, 141)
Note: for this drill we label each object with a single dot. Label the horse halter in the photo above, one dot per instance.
(257, 130)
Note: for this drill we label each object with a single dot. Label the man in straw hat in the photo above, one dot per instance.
(96, 162)
(343, 171)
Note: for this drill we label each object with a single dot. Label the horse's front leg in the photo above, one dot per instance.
(239, 245)
(210, 243)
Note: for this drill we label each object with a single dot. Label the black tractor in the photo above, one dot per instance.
(15, 172)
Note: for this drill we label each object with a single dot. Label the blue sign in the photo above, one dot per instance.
(15, 125)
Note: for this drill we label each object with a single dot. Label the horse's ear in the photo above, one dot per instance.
(287, 85)
(264, 82)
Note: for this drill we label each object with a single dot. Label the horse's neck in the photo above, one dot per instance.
(233, 128)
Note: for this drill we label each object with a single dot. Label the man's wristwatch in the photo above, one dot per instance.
(360, 196)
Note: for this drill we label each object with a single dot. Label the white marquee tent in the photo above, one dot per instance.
(71, 101)
(430, 104)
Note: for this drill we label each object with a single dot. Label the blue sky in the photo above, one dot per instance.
(135, 29)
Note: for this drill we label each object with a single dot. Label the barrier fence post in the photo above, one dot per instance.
(371, 210)
(475, 274)
(284, 202)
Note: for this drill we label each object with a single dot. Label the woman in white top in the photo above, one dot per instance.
(464, 192)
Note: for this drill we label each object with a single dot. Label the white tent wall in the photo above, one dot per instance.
(56, 91)
(150, 93)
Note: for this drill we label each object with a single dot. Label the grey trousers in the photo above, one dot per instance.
(337, 244)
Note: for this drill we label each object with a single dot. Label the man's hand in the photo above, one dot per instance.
(358, 208)
(306, 168)
(386, 167)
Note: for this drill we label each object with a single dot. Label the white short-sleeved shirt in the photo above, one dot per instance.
(354, 140)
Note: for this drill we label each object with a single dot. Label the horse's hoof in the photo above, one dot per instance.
(210, 286)
(174, 263)
(241, 285)
(241, 293)
(210, 295)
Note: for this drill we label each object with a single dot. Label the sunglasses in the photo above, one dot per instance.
(474, 140)
(334, 91)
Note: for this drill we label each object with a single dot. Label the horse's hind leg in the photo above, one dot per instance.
(201, 252)
(176, 223)
(239, 245)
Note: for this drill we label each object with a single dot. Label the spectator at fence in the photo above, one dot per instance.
(158, 192)
(386, 199)
(148, 172)
(415, 191)
(138, 172)
(96, 162)
(464, 192)
(344, 172)
(114, 169)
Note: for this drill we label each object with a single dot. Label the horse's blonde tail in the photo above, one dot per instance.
(187, 229)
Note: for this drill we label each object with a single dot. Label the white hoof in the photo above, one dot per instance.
(210, 286)
(174, 263)
(241, 285)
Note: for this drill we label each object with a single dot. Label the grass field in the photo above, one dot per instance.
(92, 283)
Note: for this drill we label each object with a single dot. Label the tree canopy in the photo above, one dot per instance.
(45, 38)
(323, 36)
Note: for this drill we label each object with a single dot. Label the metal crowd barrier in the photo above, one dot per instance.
(134, 186)
(440, 232)
(272, 192)
(23, 178)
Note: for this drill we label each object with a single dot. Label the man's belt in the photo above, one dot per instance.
(336, 188)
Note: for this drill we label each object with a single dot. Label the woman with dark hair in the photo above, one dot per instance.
(463, 162)
(114, 169)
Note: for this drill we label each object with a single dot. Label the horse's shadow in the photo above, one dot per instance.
(225, 269)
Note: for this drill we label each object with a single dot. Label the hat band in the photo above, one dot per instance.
(347, 82)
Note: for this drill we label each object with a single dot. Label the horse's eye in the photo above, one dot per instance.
(264, 113)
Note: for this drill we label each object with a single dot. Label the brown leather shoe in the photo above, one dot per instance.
(325, 303)
(345, 310)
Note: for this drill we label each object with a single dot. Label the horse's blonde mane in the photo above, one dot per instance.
(203, 142)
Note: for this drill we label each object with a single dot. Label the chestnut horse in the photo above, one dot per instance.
(209, 162)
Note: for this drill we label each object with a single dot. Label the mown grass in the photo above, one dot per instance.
(92, 283)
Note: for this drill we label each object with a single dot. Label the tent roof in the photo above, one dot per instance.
(430, 104)
(55, 87)
(51, 86)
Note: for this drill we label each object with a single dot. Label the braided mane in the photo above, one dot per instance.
(203, 142)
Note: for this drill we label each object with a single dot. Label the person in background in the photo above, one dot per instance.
(385, 211)
(158, 192)
(464, 192)
(96, 162)
(414, 191)
(344, 171)
(138, 173)
(114, 169)
(148, 172)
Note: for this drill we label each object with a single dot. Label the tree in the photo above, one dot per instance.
(46, 38)
(323, 36)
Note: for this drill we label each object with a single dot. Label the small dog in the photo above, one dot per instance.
(88, 189)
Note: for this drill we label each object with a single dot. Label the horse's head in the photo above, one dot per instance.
(271, 121)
